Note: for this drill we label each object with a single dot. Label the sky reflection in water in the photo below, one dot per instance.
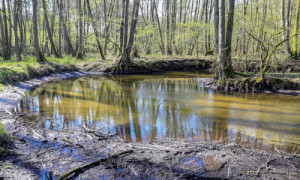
(165, 107)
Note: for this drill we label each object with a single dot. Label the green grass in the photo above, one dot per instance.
(3, 135)
(12, 68)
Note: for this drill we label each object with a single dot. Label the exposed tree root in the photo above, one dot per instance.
(250, 84)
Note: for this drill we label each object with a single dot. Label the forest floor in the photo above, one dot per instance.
(32, 152)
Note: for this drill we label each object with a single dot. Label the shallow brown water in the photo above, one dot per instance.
(165, 107)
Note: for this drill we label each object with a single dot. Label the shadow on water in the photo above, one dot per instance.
(166, 106)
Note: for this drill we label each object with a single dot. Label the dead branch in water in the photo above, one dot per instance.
(95, 163)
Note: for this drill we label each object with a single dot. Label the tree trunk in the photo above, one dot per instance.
(9, 25)
(133, 26)
(49, 30)
(285, 26)
(38, 54)
(6, 46)
(125, 57)
(162, 46)
(108, 24)
(222, 51)
(97, 36)
(216, 22)
(60, 7)
(295, 53)
(79, 54)
(174, 7)
(17, 44)
(229, 31)
(122, 28)
(169, 45)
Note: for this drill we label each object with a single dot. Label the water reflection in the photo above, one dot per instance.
(165, 107)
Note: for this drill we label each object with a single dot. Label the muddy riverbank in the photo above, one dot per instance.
(35, 153)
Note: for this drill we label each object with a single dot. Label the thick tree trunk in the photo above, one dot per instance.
(285, 26)
(133, 26)
(49, 30)
(229, 31)
(222, 51)
(125, 57)
(295, 53)
(38, 53)
(6, 46)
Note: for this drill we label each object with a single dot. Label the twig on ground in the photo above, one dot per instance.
(264, 165)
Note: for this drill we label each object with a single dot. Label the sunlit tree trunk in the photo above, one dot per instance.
(296, 30)
(285, 25)
(222, 51)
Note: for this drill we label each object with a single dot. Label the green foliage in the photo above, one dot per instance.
(1, 151)
(2, 129)
(1, 87)
(3, 134)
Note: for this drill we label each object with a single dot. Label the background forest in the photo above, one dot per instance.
(95, 28)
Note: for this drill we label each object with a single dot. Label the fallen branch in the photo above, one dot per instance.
(43, 139)
(8, 112)
(92, 164)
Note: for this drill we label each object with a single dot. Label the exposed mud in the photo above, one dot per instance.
(39, 153)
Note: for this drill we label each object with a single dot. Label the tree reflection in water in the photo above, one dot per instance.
(166, 107)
